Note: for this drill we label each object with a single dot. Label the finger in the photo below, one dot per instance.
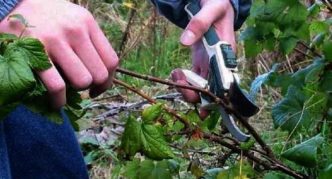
(74, 70)
(189, 95)
(103, 47)
(55, 86)
(86, 51)
(107, 54)
(202, 21)
(225, 30)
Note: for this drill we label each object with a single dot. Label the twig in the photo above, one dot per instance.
(275, 165)
(167, 82)
(225, 103)
(310, 49)
(225, 157)
(126, 33)
(153, 101)
(303, 53)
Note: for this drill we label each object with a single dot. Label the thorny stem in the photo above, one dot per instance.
(153, 101)
(167, 82)
(310, 49)
(274, 165)
(271, 164)
(303, 53)
(224, 103)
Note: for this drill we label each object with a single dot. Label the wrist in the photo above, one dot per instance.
(6, 6)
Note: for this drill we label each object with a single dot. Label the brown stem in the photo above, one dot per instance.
(311, 49)
(126, 33)
(271, 164)
(223, 102)
(275, 165)
(303, 53)
(153, 101)
(167, 82)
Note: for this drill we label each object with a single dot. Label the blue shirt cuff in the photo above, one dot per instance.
(6, 6)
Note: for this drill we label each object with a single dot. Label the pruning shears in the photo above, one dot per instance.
(223, 80)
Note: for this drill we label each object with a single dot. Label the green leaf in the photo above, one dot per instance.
(305, 154)
(131, 169)
(74, 99)
(288, 44)
(174, 166)
(308, 74)
(151, 170)
(73, 108)
(145, 138)
(151, 113)
(89, 140)
(74, 115)
(248, 34)
(326, 82)
(247, 145)
(252, 48)
(16, 78)
(212, 173)
(35, 53)
(260, 80)
(326, 173)
(297, 111)
(318, 40)
(318, 27)
(314, 10)
(276, 175)
(195, 168)
(131, 139)
(327, 49)
(211, 122)
(148, 169)
(233, 171)
(154, 144)
(41, 105)
(7, 37)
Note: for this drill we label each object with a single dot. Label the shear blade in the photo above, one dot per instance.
(232, 128)
(241, 102)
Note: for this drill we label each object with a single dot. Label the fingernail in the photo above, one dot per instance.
(187, 38)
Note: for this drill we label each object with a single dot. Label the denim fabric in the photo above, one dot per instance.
(31, 147)
(174, 11)
(4, 161)
(6, 6)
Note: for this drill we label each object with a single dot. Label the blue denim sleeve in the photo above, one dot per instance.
(174, 11)
(6, 6)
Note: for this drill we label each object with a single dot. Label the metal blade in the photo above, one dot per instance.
(241, 102)
(232, 128)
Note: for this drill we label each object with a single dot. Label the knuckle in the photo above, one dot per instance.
(113, 64)
(50, 38)
(200, 24)
(73, 30)
(57, 87)
(82, 83)
(88, 18)
(101, 77)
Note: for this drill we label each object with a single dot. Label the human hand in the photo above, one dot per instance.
(76, 45)
(216, 13)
